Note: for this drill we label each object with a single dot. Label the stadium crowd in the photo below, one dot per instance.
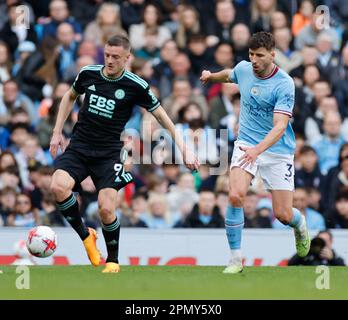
(172, 42)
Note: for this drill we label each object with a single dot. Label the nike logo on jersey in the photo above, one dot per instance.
(92, 87)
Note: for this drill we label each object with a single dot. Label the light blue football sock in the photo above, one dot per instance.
(234, 223)
(296, 220)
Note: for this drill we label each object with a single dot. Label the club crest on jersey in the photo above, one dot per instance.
(119, 94)
(255, 91)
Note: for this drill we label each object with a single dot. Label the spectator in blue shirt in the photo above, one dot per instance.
(328, 147)
(315, 221)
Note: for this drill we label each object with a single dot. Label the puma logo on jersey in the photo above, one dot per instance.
(101, 103)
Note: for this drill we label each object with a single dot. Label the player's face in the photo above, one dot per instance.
(261, 60)
(115, 59)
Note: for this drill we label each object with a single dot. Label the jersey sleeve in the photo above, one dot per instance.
(79, 83)
(148, 100)
(285, 98)
(235, 73)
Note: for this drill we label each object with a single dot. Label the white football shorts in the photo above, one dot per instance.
(276, 170)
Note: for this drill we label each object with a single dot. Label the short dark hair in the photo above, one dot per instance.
(119, 41)
(307, 149)
(262, 40)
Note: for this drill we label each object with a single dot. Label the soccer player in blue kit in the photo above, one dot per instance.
(265, 143)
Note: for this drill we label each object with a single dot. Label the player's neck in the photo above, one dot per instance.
(112, 76)
(267, 72)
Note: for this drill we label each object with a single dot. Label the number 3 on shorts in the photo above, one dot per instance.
(289, 172)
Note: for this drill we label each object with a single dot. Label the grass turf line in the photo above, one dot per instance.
(173, 282)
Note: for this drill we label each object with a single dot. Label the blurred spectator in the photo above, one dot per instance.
(279, 21)
(314, 220)
(285, 57)
(150, 50)
(261, 13)
(58, 13)
(328, 59)
(205, 214)
(329, 145)
(40, 177)
(340, 82)
(256, 214)
(14, 33)
(309, 34)
(30, 151)
(131, 11)
(84, 11)
(5, 65)
(7, 159)
(199, 53)
(19, 134)
(197, 134)
(219, 29)
(223, 57)
(189, 25)
(151, 20)
(182, 197)
(181, 95)
(320, 253)
(106, 24)
(314, 125)
(163, 72)
(23, 215)
(67, 49)
(332, 175)
(159, 216)
(7, 203)
(309, 175)
(222, 202)
(49, 214)
(9, 177)
(37, 71)
(222, 106)
(138, 213)
(303, 17)
(240, 35)
(25, 49)
(338, 215)
(13, 98)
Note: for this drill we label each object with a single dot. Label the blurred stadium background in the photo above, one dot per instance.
(43, 45)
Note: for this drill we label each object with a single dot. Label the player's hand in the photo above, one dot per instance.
(249, 157)
(326, 253)
(57, 141)
(191, 161)
(205, 77)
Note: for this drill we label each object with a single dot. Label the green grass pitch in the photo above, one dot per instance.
(168, 282)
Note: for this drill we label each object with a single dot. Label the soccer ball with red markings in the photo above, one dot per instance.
(42, 241)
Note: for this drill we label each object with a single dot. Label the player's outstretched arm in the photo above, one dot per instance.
(64, 110)
(162, 117)
(221, 76)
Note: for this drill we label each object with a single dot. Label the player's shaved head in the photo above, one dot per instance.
(262, 40)
(119, 41)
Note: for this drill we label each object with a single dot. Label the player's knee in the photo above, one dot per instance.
(236, 198)
(60, 190)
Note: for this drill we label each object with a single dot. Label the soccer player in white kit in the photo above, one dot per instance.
(265, 143)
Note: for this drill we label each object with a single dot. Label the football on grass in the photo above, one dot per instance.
(42, 241)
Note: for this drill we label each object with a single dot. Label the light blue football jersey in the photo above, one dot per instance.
(260, 98)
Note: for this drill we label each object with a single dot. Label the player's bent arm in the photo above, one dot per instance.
(280, 123)
(65, 107)
(221, 76)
